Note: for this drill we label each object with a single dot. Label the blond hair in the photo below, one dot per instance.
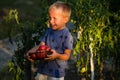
(63, 6)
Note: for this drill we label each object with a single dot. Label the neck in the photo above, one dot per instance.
(62, 28)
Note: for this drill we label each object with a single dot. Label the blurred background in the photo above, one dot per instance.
(94, 24)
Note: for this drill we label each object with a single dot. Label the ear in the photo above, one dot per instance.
(66, 19)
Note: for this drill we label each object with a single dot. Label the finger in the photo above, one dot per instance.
(31, 60)
(27, 55)
(46, 58)
(52, 50)
(50, 58)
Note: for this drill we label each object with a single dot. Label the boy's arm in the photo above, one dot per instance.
(65, 55)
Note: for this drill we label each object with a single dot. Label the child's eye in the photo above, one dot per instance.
(49, 18)
(55, 18)
(52, 18)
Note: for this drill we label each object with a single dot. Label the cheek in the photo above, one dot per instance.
(59, 21)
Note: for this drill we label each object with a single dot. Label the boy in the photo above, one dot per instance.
(60, 41)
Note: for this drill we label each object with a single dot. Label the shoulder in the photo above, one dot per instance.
(67, 32)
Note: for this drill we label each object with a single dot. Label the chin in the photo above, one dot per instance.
(53, 28)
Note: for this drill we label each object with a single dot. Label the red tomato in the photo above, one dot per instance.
(42, 52)
(41, 55)
(32, 56)
(42, 47)
(47, 48)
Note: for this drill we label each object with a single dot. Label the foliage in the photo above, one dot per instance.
(94, 29)
(29, 35)
(11, 23)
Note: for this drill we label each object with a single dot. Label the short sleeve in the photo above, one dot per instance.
(68, 41)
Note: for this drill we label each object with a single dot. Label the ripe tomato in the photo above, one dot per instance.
(33, 56)
(42, 47)
(47, 48)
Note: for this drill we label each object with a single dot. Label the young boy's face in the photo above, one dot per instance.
(56, 19)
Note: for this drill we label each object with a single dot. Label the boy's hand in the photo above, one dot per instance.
(31, 51)
(52, 56)
(42, 43)
(28, 57)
